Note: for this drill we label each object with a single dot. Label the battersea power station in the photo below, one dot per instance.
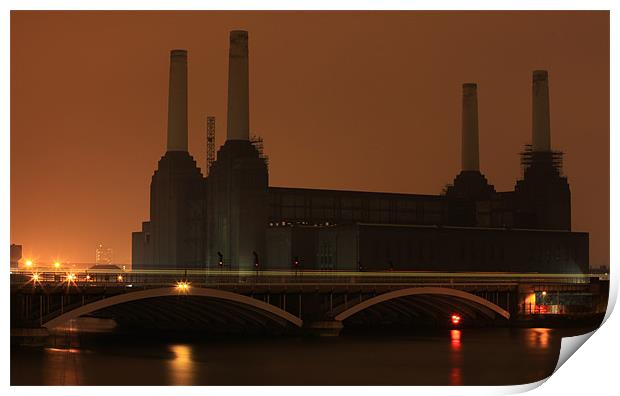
(232, 219)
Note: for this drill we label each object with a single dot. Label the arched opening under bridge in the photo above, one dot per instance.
(413, 304)
(193, 308)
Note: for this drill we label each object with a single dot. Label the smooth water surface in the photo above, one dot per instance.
(490, 356)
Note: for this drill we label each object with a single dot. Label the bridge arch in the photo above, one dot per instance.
(252, 303)
(471, 299)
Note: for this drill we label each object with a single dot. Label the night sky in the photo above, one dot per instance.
(344, 100)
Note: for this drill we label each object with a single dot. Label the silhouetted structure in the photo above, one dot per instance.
(175, 235)
(232, 219)
(16, 255)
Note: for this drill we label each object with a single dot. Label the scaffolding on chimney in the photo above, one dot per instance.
(210, 142)
(258, 144)
(530, 157)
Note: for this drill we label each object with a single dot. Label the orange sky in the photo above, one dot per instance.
(344, 100)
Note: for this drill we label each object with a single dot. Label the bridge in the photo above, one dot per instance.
(320, 302)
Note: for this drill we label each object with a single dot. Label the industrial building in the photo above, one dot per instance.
(233, 219)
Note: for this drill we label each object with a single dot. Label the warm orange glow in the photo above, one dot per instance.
(35, 277)
(31, 144)
(183, 286)
(181, 367)
(456, 319)
(539, 337)
(530, 299)
(29, 263)
(544, 293)
(71, 277)
(455, 335)
(529, 303)
(56, 264)
(87, 277)
(120, 278)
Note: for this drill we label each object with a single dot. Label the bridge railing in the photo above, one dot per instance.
(239, 277)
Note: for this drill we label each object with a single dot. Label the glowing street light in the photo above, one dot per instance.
(71, 277)
(29, 263)
(544, 293)
(35, 277)
(120, 278)
(183, 287)
(56, 264)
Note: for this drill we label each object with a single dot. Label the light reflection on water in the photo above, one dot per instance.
(66, 355)
(452, 357)
(181, 365)
(538, 338)
(456, 358)
(69, 360)
(455, 338)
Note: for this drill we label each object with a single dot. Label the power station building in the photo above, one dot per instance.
(233, 219)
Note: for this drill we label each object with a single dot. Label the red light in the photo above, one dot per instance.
(456, 319)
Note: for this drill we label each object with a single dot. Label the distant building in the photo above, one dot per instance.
(16, 255)
(141, 248)
(234, 218)
(103, 254)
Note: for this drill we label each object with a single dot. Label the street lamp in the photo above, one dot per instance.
(183, 287)
(220, 258)
(256, 263)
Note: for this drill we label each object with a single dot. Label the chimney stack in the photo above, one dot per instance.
(541, 124)
(238, 123)
(469, 129)
(177, 101)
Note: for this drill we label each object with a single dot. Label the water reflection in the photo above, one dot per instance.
(456, 358)
(449, 357)
(538, 338)
(456, 376)
(182, 366)
(62, 366)
(455, 336)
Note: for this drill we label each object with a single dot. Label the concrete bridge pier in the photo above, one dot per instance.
(325, 328)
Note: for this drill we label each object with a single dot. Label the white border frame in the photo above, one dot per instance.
(592, 370)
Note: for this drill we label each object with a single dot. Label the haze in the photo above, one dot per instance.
(344, 100)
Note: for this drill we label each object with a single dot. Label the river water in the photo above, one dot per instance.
(482, 356)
